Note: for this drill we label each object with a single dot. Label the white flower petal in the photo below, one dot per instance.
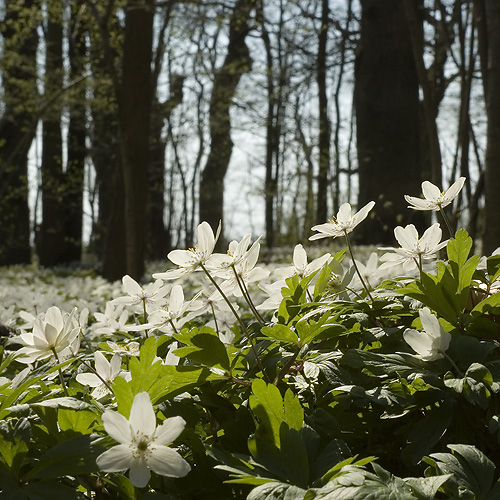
(344, 213)
(101, 364)
(167, 462)
(115, 459)
(361, 215)
(407, 236)
(453, 190)
(176, 299)
(170, 430)
(430, 191)
(90, 379)
(142, 415)
(131, 286)
(117, 426)
(420, 204)
(139, 473)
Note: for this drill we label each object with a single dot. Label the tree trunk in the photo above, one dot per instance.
(51, 241)
(17, 129)
(135, 112)
(324, 122)
(491, 236)
(236, 63)
(387, 116)
(77, 151)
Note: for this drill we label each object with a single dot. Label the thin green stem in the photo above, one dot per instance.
(246, 296)
(61, 378)
(215, 317)
(447, 221)
(356, 266)
(287, 366)
(240, 321)
(173, 326)
(145, 315)
(94, 371)
(457, 369)
(223, 295)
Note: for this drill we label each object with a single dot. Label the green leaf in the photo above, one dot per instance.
(39, 490)
(426, 488)
(64, 402)
(277, 491)
(277, 443)
(68, 458)
(14, 441)
(76, 421)
(281, 333)
(470, 468)
(204, 347)
(427, 432)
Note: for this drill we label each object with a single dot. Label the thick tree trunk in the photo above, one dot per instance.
(491, 236)
(51, 241)
(236, 63)
(17, 129)
(135, 113)
(77, 151)
(387, 116)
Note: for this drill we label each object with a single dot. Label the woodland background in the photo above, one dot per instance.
(136, 111)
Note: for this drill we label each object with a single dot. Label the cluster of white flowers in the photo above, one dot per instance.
(49, 332)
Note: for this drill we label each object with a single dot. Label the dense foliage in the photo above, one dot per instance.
(346, 381)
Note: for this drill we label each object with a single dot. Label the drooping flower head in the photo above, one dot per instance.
(431, 343)
(434, 198)
(143, 446)
(344, 223)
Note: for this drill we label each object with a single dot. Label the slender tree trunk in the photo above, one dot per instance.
(491, 235)
(236, 63)
(430, 100)
(387, 117)
(51, 242)
(324, 122)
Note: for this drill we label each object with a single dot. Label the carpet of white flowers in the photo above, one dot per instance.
(343, 373)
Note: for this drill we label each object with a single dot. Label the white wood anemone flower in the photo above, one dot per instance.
(106, 370)
(54, 335)
(413, 249)
(192, 259)
(434, 198)
(343, 224)
(143, 446)
(431, 343)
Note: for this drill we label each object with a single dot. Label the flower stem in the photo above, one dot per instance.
(447, 222)
(246, 296)
(240, 321)
(457, 369)
(356, 266)
(61, 378)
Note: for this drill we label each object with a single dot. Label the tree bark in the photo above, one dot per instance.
(17, 129)
(51, 239)
(324, 122)
(236, 63)
(491, 235)
(387, 116)
(135, 113)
